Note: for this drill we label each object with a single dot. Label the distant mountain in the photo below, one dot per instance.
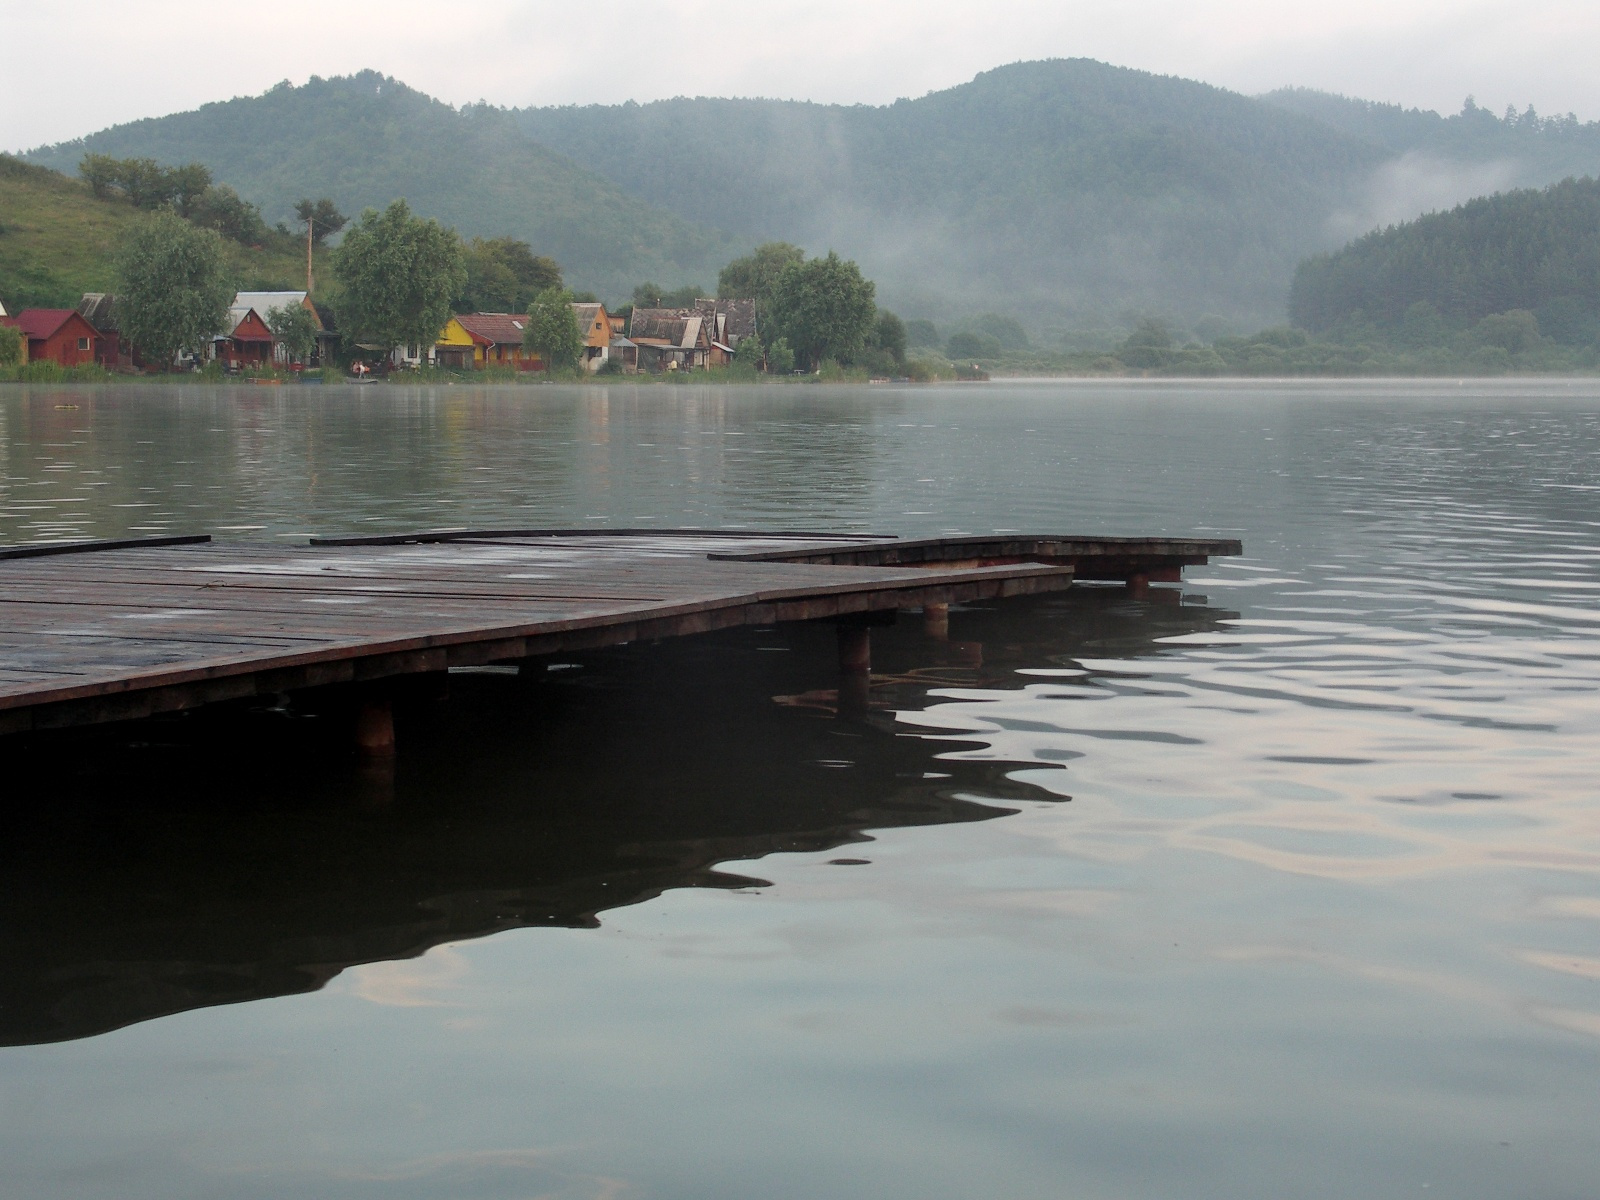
(1066, 193)
(1056, 191)
(366, 139)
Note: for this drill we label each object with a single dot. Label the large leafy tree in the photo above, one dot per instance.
(552, 329)
(174, 287)
(397, 273)
(504, 275)
(824, 309)
(755, 276)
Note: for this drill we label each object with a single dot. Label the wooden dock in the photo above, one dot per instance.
(108, 631)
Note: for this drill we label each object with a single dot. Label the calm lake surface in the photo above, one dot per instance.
(1284, 886)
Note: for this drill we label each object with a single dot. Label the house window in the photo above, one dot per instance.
(83, 343)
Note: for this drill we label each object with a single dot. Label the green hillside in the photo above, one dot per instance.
(365, 140)
(57, 242)
(1060, 190)
(1535, 251)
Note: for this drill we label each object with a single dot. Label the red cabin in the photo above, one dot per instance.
(58, 335)
(250, 342)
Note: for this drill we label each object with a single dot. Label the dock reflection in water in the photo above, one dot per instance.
(219, 858)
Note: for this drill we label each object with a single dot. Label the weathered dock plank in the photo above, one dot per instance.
(105, 631)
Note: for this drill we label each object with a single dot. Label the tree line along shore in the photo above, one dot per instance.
(1507, 283)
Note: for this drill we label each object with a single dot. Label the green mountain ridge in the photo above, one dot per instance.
(366, 139)
(1540, 150)
(1067, 193)
(1064, 190)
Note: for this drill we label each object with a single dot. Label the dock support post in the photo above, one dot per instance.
(375, 729)
(855, 649)
(1138, 586)
(936, 621)
(855, 669)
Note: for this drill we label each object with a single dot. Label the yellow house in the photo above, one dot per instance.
(455, 347)
(477, 340)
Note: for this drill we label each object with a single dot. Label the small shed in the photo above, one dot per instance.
(624, 352)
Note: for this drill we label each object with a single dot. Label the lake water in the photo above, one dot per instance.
(1282, 884)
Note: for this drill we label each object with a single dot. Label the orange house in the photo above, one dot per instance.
(60, 335)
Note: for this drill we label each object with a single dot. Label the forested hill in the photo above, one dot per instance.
(366, 139)
(1527, 148)
(1061, 189)
(1530, 250)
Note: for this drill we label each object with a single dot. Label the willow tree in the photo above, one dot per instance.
(173, 289)
(397, 274)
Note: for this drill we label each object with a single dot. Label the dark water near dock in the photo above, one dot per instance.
(1291, 888)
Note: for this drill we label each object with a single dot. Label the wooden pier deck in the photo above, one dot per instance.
(111, 631)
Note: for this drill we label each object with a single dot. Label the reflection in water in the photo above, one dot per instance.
(1319, 921)
(159, 879)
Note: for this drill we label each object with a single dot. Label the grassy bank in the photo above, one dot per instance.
(57, 241)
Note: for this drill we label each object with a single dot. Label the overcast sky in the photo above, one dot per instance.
(70, 70)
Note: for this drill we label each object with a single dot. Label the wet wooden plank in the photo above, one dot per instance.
(54, 549)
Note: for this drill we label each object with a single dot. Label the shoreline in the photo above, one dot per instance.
(722, 379)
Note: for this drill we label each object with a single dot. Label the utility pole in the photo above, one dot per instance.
(310, 221)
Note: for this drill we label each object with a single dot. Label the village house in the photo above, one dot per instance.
(58, 335)
(728, 323)
(473, 341)
(670, 339)
(267, 303)
(595, 325)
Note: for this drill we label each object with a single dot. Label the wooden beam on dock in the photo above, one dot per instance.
(1099, 558)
